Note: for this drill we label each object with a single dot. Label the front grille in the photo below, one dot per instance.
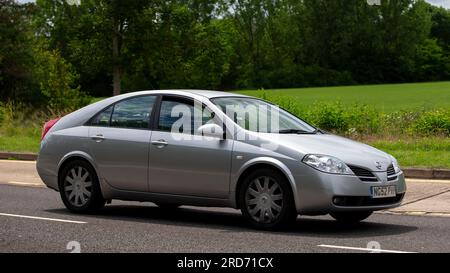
(355, 201)
(363, 174)
(390, 170)
(391, 173)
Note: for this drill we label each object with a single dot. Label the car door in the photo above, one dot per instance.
(184, 164)
(119, 143)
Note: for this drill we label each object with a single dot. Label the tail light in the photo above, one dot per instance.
(47, 126)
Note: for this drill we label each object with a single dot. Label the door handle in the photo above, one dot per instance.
(98, 138)
(160, 143)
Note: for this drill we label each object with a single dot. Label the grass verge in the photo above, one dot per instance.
(420, 152)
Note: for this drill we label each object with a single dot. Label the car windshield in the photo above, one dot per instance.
(259, 116)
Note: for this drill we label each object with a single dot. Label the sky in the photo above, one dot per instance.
(443, 3)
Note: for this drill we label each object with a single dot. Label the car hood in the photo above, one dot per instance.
(351, 152)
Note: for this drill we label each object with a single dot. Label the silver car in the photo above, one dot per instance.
(216, 149)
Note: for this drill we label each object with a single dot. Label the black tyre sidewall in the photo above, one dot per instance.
(95, 202)
(288, 213)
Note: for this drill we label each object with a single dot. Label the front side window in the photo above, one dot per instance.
(179, 115)
(133, 113)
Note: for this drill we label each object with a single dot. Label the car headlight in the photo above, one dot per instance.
(327, 164)
(395, 164)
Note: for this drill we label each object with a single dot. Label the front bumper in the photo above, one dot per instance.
(317, 193)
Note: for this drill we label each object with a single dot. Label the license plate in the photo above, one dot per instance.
(383, 191)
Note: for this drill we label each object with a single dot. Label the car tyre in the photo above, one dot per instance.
(266, 200)
(79, 187)
(351, 217)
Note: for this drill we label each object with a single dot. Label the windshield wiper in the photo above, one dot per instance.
(320, 131)
(296, 131)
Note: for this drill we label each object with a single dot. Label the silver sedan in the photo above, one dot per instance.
(217, 149)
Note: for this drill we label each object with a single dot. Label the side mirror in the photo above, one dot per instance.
(211, 130)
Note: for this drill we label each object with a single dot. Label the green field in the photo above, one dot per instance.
(386, 98)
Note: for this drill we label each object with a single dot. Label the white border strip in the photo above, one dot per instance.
(42, 218)
(364, 249)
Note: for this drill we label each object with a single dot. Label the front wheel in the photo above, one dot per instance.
(266, 200)
(79, 187)
(351, 216)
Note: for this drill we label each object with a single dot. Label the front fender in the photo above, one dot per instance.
(262, 160)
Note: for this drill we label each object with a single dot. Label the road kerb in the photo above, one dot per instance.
(415, 180)
(18, 156)
(415, 213)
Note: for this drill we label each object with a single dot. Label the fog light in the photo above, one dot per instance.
(338, 200)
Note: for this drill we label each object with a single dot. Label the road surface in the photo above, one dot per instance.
(33, 219)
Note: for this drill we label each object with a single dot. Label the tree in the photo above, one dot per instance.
(15, 51)
(119, 15)
(118, 46)
(56, 79)
(97, 27)
(432, 64)
(440, 28)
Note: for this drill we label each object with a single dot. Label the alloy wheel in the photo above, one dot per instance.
(78, 186)
(264, 199)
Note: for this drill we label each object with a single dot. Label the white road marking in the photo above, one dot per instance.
(25, 183)
(364, 249)
(42, 218)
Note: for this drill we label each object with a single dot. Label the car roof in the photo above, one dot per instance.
(204, 93)
(213, 94)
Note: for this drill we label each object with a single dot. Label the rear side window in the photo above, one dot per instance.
(102, 119)
(133, 113)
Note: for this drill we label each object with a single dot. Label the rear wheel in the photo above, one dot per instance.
(79, 187)
(351, 216)
(266, 200)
